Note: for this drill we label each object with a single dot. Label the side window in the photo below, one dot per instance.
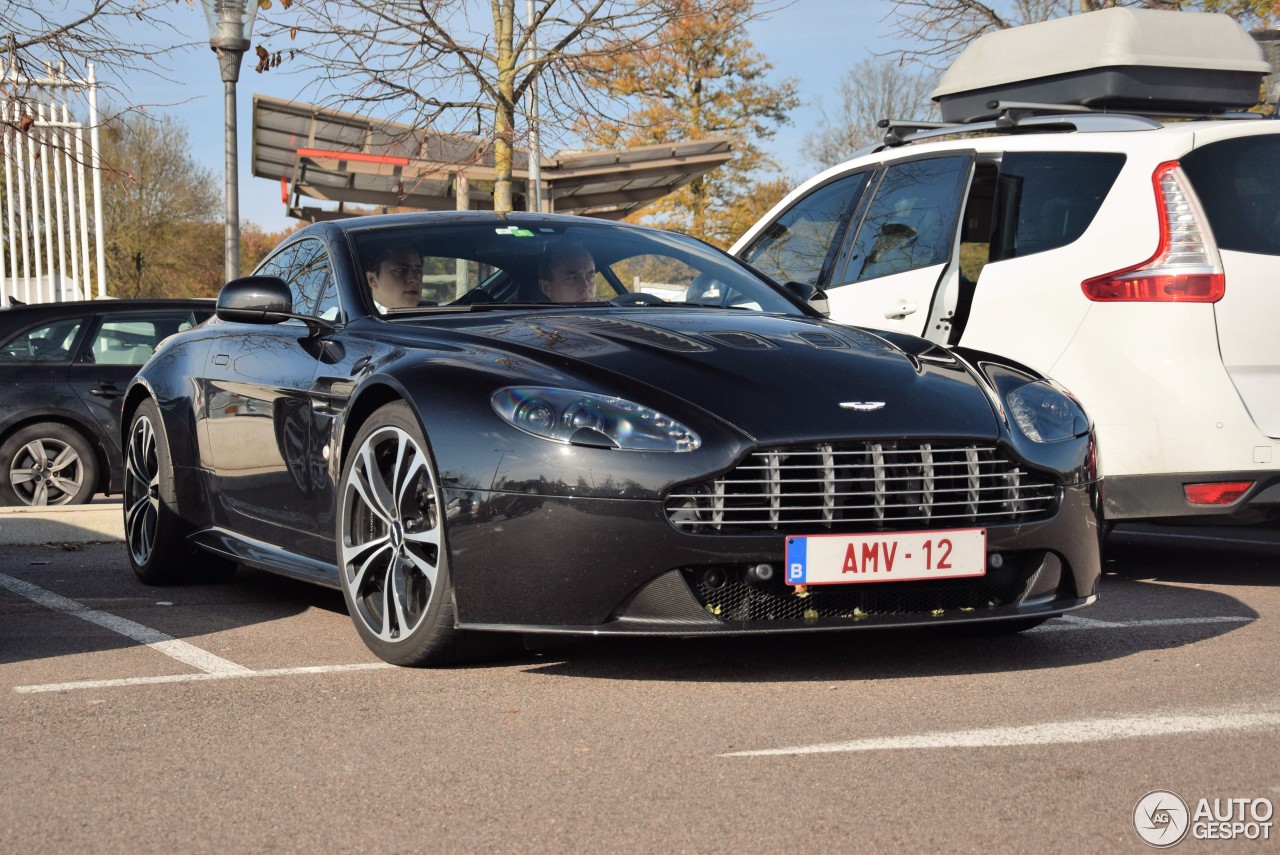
(660, 275)
(1236, 181)
(796, 247)
(1046, 200)
(978, 220)
(131, 339)
(305, 267)
(51, 342)
(310, 279)
(911, 220)
(278, 264)
(443, 279)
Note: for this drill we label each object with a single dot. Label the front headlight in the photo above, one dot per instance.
(1045, 414)
(585, 418)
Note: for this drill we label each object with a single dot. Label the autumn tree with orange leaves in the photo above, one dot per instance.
(699, 77)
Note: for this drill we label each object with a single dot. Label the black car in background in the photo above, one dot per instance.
(686, 448)
(65, 369)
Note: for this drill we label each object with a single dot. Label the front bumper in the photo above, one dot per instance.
(617, 567)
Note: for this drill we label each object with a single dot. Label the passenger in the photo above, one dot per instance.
(567, 274)
(395, 277)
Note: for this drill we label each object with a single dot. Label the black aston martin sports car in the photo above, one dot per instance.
(684, 448)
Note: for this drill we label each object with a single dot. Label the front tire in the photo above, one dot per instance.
(47, 464)
(393, 557)
(154, 530)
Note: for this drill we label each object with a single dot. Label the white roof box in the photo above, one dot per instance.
(1119, 59)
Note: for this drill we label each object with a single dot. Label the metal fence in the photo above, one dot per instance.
(51, 176)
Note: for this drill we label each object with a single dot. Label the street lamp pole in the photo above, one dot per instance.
(534, 195)
(230, 26)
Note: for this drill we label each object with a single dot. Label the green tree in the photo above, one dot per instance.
(160, 211)
(699, 77)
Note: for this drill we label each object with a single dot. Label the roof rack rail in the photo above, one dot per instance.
(1009, 113)
(1033, 116)
(899, 131)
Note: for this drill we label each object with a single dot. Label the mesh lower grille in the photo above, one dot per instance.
(859, 486)
(727, 596)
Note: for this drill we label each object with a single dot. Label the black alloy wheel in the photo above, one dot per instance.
(393, 556)
(154, 530)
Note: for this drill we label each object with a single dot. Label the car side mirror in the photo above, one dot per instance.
(263, 300)
(811, 294)
(255, 300)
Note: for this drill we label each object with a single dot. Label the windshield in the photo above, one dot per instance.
(552, 262)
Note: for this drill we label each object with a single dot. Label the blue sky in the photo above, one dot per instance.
(813, 41)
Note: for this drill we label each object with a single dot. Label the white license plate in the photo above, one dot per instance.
(841, 559)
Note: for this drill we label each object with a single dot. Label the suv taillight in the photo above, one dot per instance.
(1185, 268)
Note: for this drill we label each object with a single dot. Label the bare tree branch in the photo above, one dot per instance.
(872, 90)
(63, 38)
(426, 63)
(937, 30)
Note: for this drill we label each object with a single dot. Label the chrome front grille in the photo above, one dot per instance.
(859, 486)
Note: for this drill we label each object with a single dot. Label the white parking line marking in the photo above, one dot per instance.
(1071, 622)
(198, 678)
(1086, 623)
(1090, 730)
(156, 640)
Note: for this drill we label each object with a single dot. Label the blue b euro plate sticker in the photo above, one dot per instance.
(797, 559)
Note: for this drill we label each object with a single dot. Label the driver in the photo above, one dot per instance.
(567, 274)
(395, 277)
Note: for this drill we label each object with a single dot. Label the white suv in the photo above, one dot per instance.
(1134, 259)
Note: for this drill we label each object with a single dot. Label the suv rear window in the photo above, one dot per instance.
(1236, 181)
(1047, 199)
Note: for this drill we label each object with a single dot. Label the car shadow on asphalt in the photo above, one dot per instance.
(1195, 564)
(1149, 600)
(96, 577)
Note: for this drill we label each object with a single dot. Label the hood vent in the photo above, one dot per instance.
(823, 340)
(631, 331)
(742, 340)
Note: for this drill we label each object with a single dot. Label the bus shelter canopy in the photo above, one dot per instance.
(332, 164)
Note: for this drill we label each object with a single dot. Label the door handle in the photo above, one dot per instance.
(900, 311)
(110, 390)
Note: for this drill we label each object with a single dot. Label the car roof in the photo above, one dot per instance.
(436, 218)
(71, 307)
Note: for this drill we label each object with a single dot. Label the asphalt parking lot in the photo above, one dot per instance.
(248, 717)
